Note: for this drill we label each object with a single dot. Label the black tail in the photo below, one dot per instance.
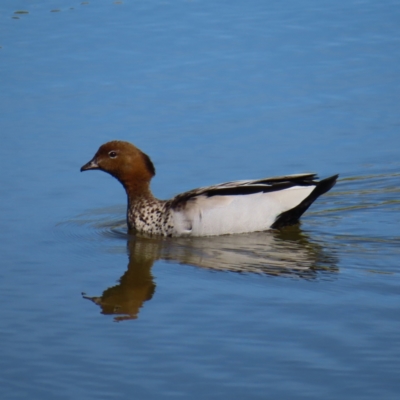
(291, 217)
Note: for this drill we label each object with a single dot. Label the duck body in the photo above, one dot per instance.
(227, 208)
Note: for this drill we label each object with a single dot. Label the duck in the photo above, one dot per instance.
(227, 208)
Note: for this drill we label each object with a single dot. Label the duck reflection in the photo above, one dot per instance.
(135, 286)
(288, 252)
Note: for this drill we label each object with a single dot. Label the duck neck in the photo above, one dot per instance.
(137, 192)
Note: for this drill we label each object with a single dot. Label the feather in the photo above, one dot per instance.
(246, 206)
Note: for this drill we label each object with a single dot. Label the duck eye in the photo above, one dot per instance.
(112, 154)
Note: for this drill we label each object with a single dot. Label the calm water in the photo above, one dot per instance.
(212, 91)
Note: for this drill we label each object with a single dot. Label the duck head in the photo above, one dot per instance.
(123, 161)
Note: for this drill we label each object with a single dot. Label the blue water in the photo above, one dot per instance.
(213, 91)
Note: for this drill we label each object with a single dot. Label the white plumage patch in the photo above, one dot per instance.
(218, 215)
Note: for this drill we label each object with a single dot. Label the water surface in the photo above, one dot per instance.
(212, 91)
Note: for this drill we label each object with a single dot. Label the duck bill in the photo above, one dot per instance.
(92, 164)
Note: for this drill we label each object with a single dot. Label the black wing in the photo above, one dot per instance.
(290, 217)
(237, 188)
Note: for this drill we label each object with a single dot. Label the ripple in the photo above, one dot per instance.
(363, 192)
(95, 227)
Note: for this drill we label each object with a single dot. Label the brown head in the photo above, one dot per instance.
(125, 162)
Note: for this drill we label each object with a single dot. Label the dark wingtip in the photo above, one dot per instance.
(324, 186)
(292, 216)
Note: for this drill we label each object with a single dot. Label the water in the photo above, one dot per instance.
(212, 91)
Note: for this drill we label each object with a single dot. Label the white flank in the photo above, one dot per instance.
(219, 215)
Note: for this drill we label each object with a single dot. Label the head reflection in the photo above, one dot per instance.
(288, 253)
